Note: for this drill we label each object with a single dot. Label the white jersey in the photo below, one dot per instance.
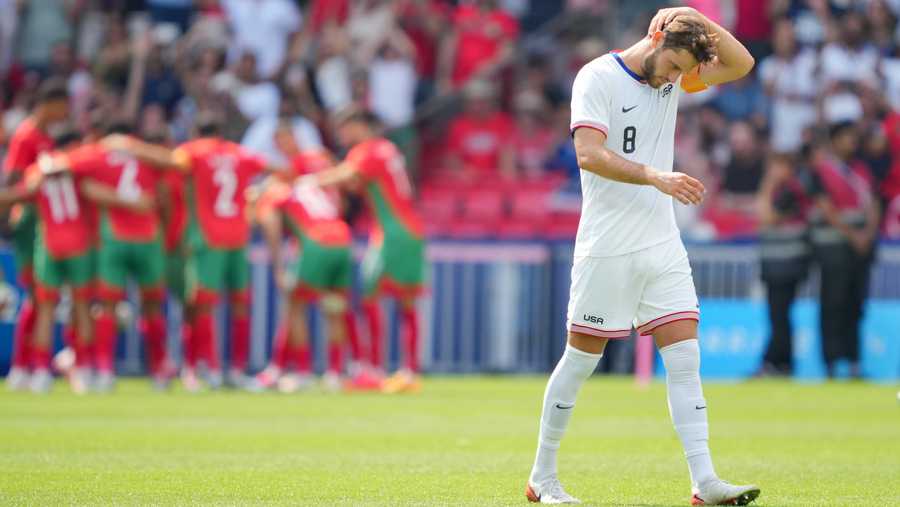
(639, 122)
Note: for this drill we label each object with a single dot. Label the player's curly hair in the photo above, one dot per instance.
(690, 35)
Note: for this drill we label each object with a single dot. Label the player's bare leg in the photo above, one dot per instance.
(333, 306)
(42, 378)
(298, 342)
(578, 362)
(406, 379)
(240, 340)
(80, 378)
(189, 347)
(680, 351)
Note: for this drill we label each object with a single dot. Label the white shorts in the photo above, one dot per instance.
(644, 290)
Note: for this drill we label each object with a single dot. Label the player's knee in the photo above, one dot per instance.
(682, 359)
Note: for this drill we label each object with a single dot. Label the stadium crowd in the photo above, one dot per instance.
(475, 94)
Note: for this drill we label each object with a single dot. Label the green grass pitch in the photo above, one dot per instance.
(463, 441)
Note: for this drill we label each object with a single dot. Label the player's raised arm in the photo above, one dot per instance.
(158, 156)
(732, 60)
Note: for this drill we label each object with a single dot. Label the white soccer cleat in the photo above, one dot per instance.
(719, 492)
(549, 492)
(105, 382)
(238, 379)
(41, 381)
(18, 379)
(190, 381)
(331, 382)
(214, 379)
(80, 380)
(292, 382)
(264, 380)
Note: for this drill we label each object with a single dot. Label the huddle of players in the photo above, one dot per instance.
(92, 213)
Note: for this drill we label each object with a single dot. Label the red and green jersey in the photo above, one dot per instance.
(131, 179)
(178, 217)
(26, 144)
(219, 173)
(311, 212)
(383, 171)
(309, 162)
(67, 219)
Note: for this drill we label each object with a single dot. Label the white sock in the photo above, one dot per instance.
(573, 369)
(688, 407)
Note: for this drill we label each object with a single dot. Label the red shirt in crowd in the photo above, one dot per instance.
(478, 141)
(481, 35)
(413, 16)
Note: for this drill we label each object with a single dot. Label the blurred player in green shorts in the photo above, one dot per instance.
(124, 190)
(322, 273)
(64, 257)
(218, 173)
(395, 262)
(30, 139)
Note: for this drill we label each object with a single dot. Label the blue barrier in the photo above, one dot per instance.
(500, 307)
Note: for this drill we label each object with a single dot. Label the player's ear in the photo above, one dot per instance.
(657, 38)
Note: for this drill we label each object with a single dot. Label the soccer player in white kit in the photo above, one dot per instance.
(631, 268)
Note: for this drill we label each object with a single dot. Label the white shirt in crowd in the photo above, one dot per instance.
(260, 137)
(333, 83)
(795, 88)
(840, 63)
(262, 27)
(621, 218)
(392, 90)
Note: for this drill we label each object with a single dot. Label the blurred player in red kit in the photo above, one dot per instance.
(30, 139)
(218, 173)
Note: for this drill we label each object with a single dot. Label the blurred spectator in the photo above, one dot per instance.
(253, 98)
(42, 25)
(263, 28)
(742, 100)
(424, 22)
(744, 170)
(752, 26)
(9, 18)
(562, 156)
(851, 58)
(162, 85)
(789, 78)
(177, 12)
(260, 136)
(480, 43)
(844, 230)
(370, 24)
(883, 26)
(782, 207)
(392, 81)
(477, 140)
(327, 14)
(533, 136)
(333, 71)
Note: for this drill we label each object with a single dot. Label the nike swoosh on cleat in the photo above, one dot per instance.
(561, 407)
(627, 109)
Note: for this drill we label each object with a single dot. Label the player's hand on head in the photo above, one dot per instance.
(686, 189)
(666, 16)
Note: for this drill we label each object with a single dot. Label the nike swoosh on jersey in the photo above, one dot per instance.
(627, 109)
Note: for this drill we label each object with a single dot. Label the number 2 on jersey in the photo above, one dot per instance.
(225, 178)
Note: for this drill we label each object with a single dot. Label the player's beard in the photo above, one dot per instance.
(648, 69)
